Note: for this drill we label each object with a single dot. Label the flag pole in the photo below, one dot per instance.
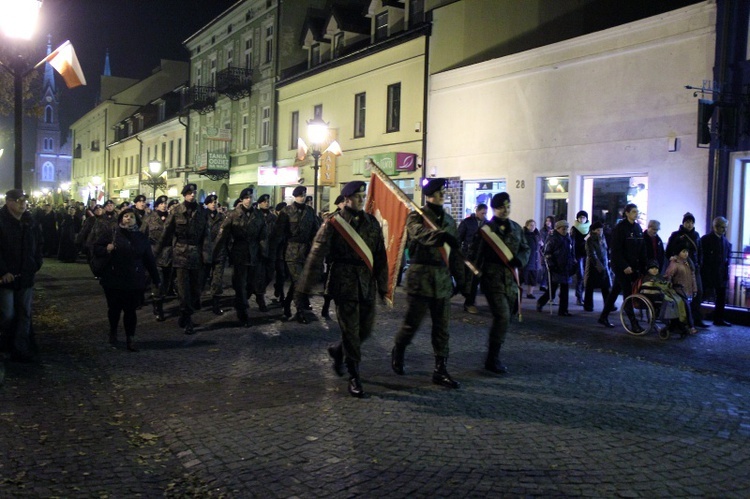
(412, 206)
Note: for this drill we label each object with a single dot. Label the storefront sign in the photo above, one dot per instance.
(215, 133)
(327, 169)
(213, 162)
(268, 175)
(390, 162)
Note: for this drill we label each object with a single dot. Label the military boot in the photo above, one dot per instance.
(493, 363)
(261, 301)
(324, 312)
(397, 358)
(337, 354)
(189, 328)
(216, 306)
(130, 342)
(440, 375)
(355, 385)
(159, 310)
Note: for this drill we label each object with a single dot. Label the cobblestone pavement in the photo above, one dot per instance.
(232, 412)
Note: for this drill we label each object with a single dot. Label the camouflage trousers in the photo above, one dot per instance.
(356, 319)
(440, 313)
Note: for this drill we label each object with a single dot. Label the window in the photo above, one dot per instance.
(265, 127)
(213, 71)
(269, 44)
(171, 153)
(416, 12)
(48, 114)
(295, 130)
(244, 132)
(163, 153)
(229, 57)
(314, 55)
(179, 152)
(338, 44)
(381, 26)
(318, 111)
(359, 114)
(249, 53)
(48, 172)
(393, 119)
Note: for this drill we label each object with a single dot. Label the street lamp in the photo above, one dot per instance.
(18, 21)
(317, 132)
(155, 176)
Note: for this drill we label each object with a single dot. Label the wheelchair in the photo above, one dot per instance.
(649, 310)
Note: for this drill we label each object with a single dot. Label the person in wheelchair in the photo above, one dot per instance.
(681, 273)
(670, 305)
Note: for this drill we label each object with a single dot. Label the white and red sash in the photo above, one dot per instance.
(505, 254)
(354, 240)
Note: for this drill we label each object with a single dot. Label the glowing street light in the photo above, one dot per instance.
(317, 132)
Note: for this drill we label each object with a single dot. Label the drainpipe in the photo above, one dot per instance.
(424, 107)
(140, 165)
(187, 137)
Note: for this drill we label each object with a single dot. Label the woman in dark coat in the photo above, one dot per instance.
(67, 251)
(561, 262)
(532, 269)
(596, 274)
(124, 278)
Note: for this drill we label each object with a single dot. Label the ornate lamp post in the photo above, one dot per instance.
(18, 20)
(155, 179)
(317, 132)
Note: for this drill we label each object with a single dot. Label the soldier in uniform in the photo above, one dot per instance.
(280, 265)
(153, 227)
(358, 270)
(296, 227)
(245, 227)
(428, 280)
(107, 223)
(213, 267)
(500, 249)
(268, 262)
(139, 207)
(339, 203)
(187, 225)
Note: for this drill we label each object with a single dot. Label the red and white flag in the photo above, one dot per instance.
(385, 201)
(64, 60)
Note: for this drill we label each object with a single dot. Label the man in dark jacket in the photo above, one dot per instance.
(715, 268)
(353, 241)
(686, 235)
(187, 224)
(428, 280)
(628, 262)
(267, 265)
(467, 230)
(561, 262)
(245, 227)
(20, 260)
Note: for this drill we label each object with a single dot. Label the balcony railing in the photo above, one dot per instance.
(233, 82)
(199, 98)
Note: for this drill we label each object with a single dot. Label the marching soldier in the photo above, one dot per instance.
(267, 265)
(246, 228)
(213, 267)
(434, 258)
(153, 227)
(353, 242)
(339, 203)
(296, 226)
(139, 207)
(500, 249)
(187, 225)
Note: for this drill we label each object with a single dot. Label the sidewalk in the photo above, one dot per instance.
(258, 412)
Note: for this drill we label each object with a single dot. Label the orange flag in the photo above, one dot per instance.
(64, 60)
(387, 206)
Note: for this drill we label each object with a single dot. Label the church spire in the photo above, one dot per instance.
(49, 75)
(107, 70)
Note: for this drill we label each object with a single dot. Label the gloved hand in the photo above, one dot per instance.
(515, 263)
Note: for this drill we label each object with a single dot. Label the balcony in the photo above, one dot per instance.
(200, 99)
(235, 83)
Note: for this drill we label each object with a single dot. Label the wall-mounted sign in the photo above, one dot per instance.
(392, 162)
(213, 162)
(268, 175)
(215, 133)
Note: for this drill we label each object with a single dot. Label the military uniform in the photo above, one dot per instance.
(498, 282)
(266, 269)
(213, 265)
(429, 285)
(153, 227)
(187, 225)
(247, 230)
(296, 227)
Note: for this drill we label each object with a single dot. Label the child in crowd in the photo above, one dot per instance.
(674, 308)
(681, 273)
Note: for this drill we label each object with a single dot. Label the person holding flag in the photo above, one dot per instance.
(434, 257)
(499, 250)
(353, 242)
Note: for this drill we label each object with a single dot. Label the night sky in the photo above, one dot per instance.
(138, 33)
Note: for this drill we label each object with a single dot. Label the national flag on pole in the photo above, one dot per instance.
(301, 149)
(65, 62)
(387, 206)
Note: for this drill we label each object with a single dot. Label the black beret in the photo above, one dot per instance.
(264, 198)
(172, 203)
(236, 202)
(123, 212)
(298, 191)
(433, 186)
(139, 197)
(353, 188)
(210, 199)
(189, 188)
(160, 200)
(596, 225)
(280, 206)
(246, 193)
(124, 204)
(339, 199)
(499, 199)
(108, 201)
